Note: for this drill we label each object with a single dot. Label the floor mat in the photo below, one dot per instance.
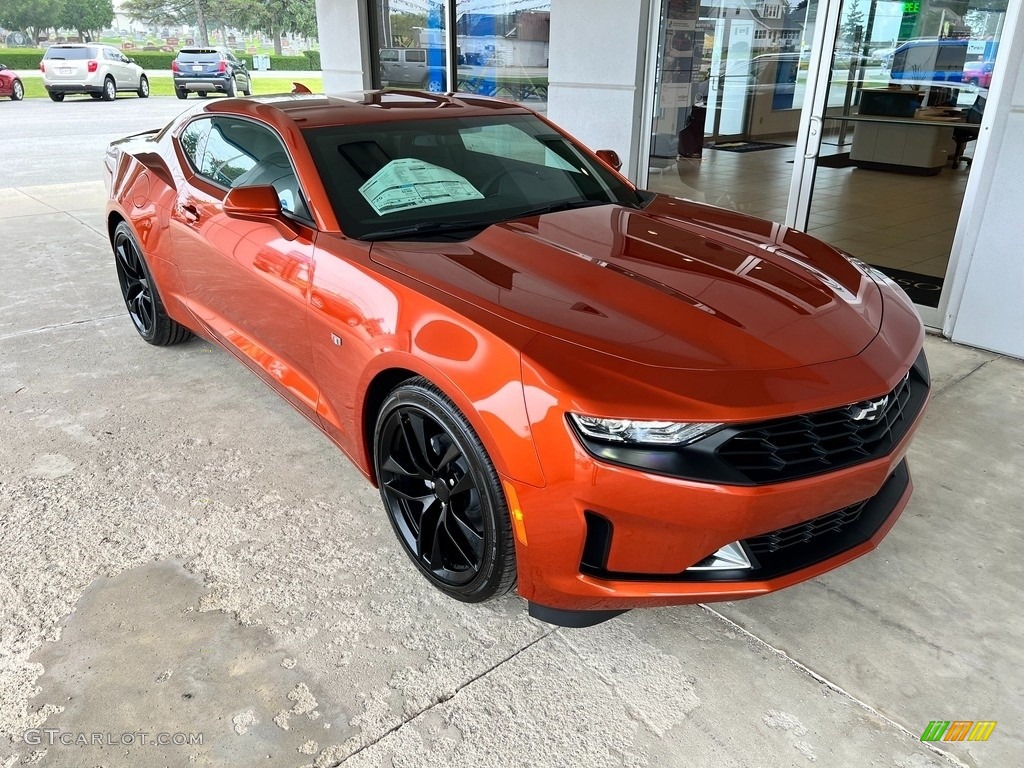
(922, 289)
(748, 146)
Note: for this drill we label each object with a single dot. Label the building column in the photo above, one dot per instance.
(344, 52)
(598, 59)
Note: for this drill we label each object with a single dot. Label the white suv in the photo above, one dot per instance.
(99, 70)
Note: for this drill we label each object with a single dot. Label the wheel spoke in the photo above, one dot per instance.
(412, 429)
(392, 465)
(128, 263)
(463, 484)
(450, 455)
(469, 535)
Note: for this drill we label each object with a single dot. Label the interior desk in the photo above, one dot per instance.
(918, 145)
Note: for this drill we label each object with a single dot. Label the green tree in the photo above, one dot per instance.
(198, 13)
(87, 17)
(275, 17)
(32, 16)
(851, 30)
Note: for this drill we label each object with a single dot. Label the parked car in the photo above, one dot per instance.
(101, 71)
(209, 70)
(10, 84)
(608, 397)
(979, 73)
(413, 68)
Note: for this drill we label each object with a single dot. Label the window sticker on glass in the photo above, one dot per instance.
(408, 183)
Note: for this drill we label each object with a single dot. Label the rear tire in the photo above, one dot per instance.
(56, 96)
(181, 93)
(201, 94)
(17, 91)
(140, 294)
(109, 89)
(143, 88)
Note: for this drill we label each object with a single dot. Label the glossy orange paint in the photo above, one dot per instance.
(679, 311)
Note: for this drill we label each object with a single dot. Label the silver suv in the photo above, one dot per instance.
(99, 70)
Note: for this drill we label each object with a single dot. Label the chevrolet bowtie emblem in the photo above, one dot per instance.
(869, 410)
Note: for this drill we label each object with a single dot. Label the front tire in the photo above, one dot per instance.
(231, 88)
(248, 86)
(442, 494)
(143, 87)
(109, 89)
(140, 295)
(17, 91)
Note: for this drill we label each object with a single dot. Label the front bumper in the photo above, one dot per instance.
(605, 538)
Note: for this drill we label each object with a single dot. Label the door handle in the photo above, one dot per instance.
(190, 212)
(813, 139)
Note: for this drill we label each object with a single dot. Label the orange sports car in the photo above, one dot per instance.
(605, 397)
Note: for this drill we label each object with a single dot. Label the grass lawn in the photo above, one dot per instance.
(164, 86)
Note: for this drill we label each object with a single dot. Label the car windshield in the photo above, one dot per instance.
(454, 175)
(81, 52)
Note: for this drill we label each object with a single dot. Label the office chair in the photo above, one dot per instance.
(967, 133)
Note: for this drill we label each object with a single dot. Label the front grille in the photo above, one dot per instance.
(783, 449)
(805, 533)
(801, 446)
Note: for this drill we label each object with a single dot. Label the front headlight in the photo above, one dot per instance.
(633, 432)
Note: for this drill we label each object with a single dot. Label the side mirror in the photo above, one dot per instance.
(259, 203)
(610, 157)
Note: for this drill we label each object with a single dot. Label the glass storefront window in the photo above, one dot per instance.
(411, 37)
(502, 49)
(501, 46)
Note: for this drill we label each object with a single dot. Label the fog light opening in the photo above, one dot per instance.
(731, 557)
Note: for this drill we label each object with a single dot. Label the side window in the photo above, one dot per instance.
(240, 153)
(415, 57)
(193, 141)
(388, 54)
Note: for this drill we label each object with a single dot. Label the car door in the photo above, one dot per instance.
(390, 66)
(414, 71)
(247, 282)
(129, 77)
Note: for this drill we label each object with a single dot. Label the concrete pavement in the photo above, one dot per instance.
(184, 555)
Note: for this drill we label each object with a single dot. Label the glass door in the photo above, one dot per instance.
(883, 152)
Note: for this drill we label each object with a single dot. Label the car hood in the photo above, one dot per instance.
(676, 284)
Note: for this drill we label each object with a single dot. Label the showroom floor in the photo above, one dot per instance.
(887, 219)
(183, 553)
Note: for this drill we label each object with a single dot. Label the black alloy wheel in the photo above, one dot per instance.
(442, 494)
(140, 295)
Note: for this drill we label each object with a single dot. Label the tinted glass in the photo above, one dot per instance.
(84, 52)
(455, 170)
(416, 56)
(239, 153)
(193, 141)
(198, 58)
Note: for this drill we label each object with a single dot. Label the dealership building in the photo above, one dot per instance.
(892, 130)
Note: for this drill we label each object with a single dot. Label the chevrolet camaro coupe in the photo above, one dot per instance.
(604, 397)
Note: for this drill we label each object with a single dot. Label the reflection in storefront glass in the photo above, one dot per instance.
(502, 49)
(412, 44)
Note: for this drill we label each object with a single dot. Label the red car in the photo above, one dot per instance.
(979, 73)
(10, 84)
(607, 397)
